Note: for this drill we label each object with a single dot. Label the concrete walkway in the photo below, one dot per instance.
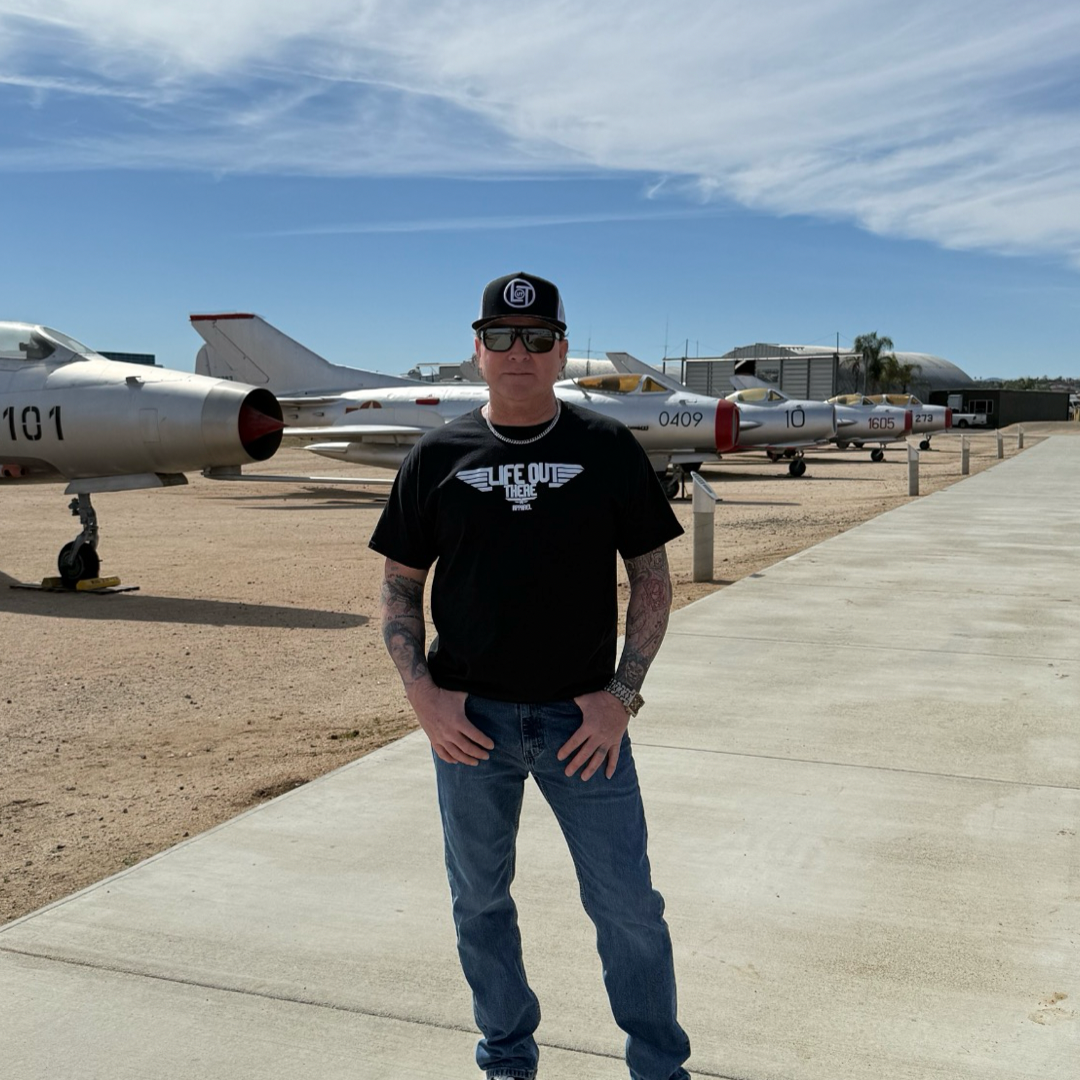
(862, 771)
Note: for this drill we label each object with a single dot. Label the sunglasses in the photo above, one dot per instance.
(536, 339)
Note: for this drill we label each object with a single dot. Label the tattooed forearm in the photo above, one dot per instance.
(403, 622)
(646, 615)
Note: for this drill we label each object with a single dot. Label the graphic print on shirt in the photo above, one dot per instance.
(520, 482)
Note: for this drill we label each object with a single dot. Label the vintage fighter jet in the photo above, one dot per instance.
(768, 419)
(781, 426)
(247, 348)
(377, 425)
(860, 421)
(925, 419)
(69, 414)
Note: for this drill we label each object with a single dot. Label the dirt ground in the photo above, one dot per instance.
(249, 660)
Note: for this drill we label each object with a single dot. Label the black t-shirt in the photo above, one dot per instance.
(524, 541)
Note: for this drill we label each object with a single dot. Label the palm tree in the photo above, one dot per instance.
(897, 375)
(874, 350)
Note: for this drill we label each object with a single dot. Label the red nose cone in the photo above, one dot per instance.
(908, 421)
(948, 419)
(727, 426)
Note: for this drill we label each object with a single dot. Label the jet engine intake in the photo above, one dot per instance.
(727, 426)
(253, 417)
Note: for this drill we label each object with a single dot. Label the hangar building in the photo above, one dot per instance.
(808, 371)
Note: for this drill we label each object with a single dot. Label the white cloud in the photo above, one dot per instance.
(951, 121)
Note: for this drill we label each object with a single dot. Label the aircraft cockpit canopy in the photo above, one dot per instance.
(621, 384)
(757, 395)
(898, 399)
(851, 399)
(22, 341)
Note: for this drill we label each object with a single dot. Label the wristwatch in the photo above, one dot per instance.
(631, 699)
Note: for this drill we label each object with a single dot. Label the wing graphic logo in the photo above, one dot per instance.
(520, 482)
(477, 478)
(563, 474)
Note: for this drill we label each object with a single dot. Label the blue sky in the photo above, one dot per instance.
(696, 175)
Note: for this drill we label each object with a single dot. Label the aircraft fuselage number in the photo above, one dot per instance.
(796, 418)
(923, 418)
(27, 423)
(681, 419)
(877, 423)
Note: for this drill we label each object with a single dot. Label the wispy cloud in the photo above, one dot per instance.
(948, 121)
(475, 224)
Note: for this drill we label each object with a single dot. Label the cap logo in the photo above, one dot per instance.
(519, 293)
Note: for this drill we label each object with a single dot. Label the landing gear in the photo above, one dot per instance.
(797, 466)
(674, 482)
(671, 482)
(877, 455)
(79, 558)
(925, 444)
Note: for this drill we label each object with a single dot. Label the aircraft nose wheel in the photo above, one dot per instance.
(925, 444)
(877, 455)
(797, 467)
(79, 559)
(671, 483)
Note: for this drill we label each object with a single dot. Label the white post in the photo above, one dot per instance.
(704, 504)
(1020, 439)
(965, 456)
(912, 471)
(1001, 448)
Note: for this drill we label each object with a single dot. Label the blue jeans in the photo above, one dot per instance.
(604, 825)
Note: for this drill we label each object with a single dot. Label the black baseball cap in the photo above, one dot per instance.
(521, 294)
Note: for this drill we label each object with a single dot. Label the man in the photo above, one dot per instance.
(522, 507)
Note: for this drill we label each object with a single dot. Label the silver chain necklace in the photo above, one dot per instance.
(523, 442)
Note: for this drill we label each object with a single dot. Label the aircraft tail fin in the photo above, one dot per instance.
(246, 348)
(749, 382)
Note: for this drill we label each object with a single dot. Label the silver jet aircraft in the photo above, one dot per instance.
(247, 348)
(69, 414)
(768, 419)
(782, 426)
(860, 421)
(377, 425)
(925, 419)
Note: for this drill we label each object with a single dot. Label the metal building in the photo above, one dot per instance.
(808, 371)
(800, 371)
(1005, 407)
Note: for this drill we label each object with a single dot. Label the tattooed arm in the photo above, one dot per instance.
(441, 712)
(604, 717)
(646, 615)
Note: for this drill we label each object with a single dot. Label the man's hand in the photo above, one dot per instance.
(603, 723)
(441, 713)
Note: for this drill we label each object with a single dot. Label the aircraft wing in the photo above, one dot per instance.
(355, 432)
(306, 401)
(234, 473)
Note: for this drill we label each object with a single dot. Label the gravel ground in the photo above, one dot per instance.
(249, 660)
